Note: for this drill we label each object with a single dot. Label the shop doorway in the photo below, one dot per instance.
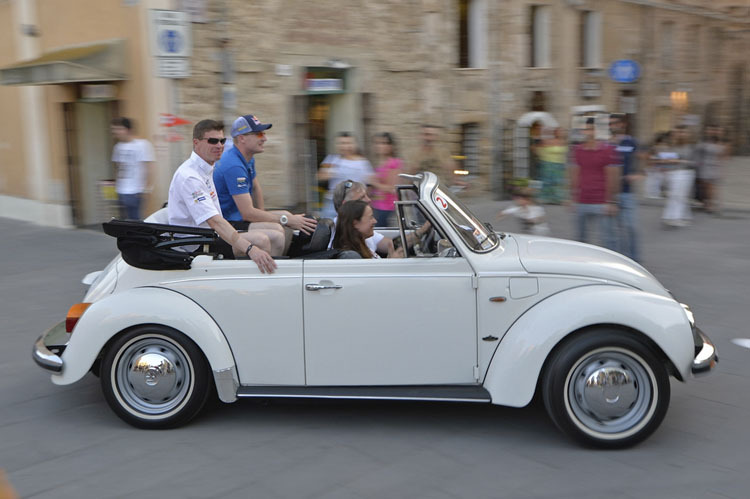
(90, 171)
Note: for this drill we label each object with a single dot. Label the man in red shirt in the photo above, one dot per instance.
(594, 184)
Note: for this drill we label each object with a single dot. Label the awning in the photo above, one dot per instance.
(100, 61)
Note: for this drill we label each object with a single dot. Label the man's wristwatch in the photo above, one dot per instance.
(247, 251)
(283, 220)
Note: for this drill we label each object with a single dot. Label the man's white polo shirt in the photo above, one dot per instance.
(192, 195)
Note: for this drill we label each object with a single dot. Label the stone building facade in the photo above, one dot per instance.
(488, 71)
(484, 70)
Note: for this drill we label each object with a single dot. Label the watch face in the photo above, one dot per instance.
(284, 219)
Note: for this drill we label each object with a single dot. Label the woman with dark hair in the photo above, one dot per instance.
(355, 223)
(385, 179)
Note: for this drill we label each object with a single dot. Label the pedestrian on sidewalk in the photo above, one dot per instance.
(655, 177)
(349, 164)
(680, 178)
(595, 176)
(133, 159)
(531, 215)
(710, 155)
(553, 153)
(627, 219)
(385, 179)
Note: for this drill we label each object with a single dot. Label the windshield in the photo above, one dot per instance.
(475, 234)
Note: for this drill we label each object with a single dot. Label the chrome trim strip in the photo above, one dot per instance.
(435, 393)
(707, 358)
(44, 358)
(360, 397)
(227, 384)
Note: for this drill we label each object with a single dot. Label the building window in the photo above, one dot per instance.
(472, 33)
(539, 36)
(591, 39)
(715, 47)
(692, 57)
(470, 148)
(667, 45)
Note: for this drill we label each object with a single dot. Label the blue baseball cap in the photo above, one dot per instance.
(248, 124)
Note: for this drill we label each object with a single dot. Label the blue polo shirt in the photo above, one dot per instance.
(233, 175)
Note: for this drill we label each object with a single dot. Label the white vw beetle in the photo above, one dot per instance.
(470, 315)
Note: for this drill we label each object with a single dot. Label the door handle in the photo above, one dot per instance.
(318, 287)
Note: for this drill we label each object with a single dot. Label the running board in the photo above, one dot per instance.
(434, 393)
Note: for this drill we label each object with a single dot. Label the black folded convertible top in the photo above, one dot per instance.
(156, 246)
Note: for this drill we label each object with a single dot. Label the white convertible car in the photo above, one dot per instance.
(470, 315)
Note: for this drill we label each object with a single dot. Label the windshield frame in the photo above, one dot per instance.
(452, 207)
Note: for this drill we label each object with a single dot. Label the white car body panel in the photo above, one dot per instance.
(393, 322)
(132, 307)
(514, 370)
(260, 315)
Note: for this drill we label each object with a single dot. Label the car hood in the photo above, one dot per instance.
(545, 255)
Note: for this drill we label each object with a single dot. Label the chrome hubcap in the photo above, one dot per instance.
(153, 375)
(610, 391)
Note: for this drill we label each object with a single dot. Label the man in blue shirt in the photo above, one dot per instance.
(626, 147)
(240, 193)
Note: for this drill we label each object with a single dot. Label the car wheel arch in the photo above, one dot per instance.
(147, 306)
(516, 365)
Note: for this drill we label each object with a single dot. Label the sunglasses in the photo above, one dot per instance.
(348, 185)
(260, 135)
(213, 141)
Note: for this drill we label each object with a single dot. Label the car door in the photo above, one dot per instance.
(407, 321)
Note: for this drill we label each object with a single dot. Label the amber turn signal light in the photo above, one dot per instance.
(75, 313)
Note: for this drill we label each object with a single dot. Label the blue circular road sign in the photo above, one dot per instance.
(625, 71)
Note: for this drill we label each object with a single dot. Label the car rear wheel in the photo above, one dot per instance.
(155, 377)
(606, 388)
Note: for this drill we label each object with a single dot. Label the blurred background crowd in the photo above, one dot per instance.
(506, 89)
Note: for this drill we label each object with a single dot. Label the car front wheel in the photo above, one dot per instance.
(606, 389)
(155, 377)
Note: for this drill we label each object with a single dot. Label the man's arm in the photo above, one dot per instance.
(258, 195)
(614, 178)
(250, 213)
(240, 245)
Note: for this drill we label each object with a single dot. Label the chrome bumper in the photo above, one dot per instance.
(707, 358)
(48, 347)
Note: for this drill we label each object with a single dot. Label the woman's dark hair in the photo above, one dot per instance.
(390, 140)
(347, 236)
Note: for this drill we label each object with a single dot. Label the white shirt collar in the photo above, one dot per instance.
(201, 163)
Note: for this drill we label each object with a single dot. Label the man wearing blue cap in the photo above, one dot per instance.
(239, 191)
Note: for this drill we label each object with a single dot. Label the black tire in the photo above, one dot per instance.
(170, 386)
(606, 388)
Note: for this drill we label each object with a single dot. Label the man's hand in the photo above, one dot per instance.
(263, 260)
(612, 209)
(302, 223)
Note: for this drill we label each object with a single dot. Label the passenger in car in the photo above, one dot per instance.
(350, 190)
(239, 190)
(355, 223)
(193, 201)
(378, 243)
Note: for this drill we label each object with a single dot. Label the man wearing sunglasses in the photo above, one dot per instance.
(240, 193)
(193, 201)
